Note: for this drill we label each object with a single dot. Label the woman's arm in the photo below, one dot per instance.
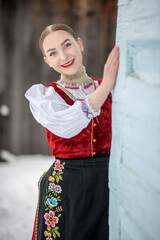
(98, 97)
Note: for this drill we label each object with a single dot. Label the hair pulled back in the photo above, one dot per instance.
(52, 28)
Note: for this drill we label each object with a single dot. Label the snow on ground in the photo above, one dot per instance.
(19, 194)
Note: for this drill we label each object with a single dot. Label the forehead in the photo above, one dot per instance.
(55, 39)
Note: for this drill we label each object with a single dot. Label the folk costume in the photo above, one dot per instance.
(73, 193)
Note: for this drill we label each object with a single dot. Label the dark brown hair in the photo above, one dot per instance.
(53, 28)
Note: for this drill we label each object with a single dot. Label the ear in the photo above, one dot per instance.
(80, 43)
(46, 60)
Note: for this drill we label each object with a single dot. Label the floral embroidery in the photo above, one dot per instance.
(51, 186)
(51, 219)
(47, 234)
(59, 209)
(58, 166)
(52, 200)
(55, 188)
(51, 179)
(58, 189)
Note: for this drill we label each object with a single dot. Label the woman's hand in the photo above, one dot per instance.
(98, 97)
(111, 69)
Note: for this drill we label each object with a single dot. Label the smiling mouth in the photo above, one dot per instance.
(68, 64)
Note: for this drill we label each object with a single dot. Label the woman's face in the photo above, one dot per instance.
(63, 52)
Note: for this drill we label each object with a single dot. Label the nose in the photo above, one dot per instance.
(63, 56)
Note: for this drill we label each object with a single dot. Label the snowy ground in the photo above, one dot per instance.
(19, 194)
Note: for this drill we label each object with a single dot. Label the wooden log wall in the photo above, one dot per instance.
(21, 63)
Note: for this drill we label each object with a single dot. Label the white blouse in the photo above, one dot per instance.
(53, 113)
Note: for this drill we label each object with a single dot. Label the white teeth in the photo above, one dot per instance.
(68, 63)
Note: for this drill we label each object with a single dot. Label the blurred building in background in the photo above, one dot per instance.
(22, 65)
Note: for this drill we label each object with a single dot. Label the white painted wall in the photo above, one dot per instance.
(135, 154)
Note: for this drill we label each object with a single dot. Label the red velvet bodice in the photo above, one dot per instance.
(92, 140)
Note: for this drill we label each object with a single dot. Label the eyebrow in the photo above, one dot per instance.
(61, 45)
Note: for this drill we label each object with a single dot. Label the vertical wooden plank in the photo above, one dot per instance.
(134, 164)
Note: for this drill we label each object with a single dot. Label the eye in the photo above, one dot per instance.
(68, 44)
(52, 54)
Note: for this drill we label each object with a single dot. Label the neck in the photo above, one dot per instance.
(78, 77)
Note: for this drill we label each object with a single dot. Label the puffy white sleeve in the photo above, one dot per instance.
(53, 113)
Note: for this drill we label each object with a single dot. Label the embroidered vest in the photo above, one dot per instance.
(93, 140)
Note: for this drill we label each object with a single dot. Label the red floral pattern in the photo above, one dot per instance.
(51, 219)
(58, 166)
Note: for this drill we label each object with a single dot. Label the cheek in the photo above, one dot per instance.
(80, 57)
(75, 50)
(54, 63)
(78, 53)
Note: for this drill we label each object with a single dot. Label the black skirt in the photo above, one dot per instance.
(74, 200)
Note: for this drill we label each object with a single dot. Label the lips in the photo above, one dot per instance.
(68, 64)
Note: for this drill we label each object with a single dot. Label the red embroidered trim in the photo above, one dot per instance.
(72, 87)
(90, 84)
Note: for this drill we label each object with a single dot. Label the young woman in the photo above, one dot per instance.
(76, 113)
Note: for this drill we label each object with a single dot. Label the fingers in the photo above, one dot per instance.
(111, 66)
(115, 61)
(114, 57)
(114, 52)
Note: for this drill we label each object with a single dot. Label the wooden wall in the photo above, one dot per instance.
(21, 63)
(134, 169)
